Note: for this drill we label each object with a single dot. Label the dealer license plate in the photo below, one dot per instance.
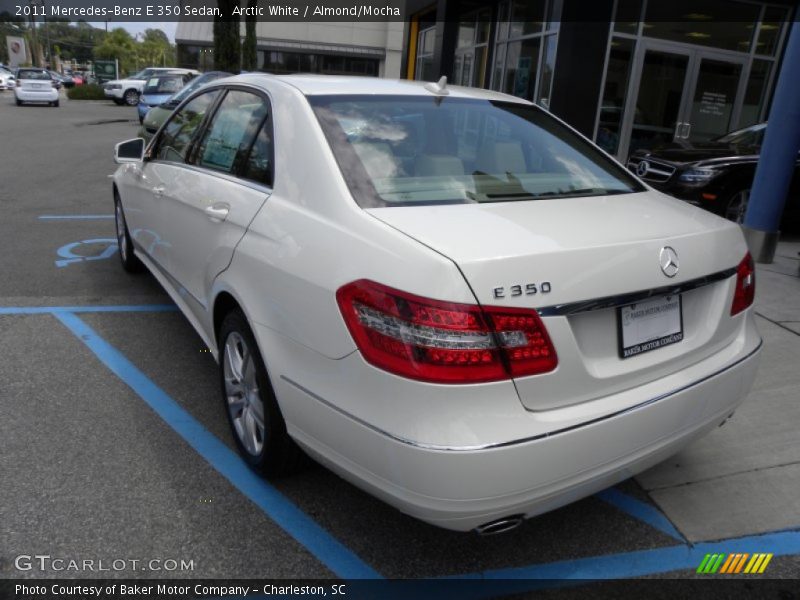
(650, 324)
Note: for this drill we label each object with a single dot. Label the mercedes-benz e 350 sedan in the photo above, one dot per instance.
(446, 295)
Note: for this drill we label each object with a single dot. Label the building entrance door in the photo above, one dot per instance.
(680, 93)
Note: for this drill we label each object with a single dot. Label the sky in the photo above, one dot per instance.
(139, 27)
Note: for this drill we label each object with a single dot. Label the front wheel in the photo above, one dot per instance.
(130, 261)
(737, 206)
(253, 413)
(131, 97)
(19, 102)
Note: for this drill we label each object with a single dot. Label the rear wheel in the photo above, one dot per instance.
(19, 102)
(56, 103)
(737, 206)
(129, 260)
(131, 98)
(253, 413)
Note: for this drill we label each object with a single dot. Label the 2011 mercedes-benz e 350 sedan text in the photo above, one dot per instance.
(446, 295)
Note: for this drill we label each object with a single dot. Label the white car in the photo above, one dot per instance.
(127, 91)
(446, 295)
(7, 79)
(35, 85)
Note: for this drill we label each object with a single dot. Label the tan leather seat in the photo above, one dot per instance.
(438, 165)
(500, 158)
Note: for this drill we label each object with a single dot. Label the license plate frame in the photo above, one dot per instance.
(660, 325)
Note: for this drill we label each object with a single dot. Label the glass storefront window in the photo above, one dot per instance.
(715, 23)
(527, 17)
(469, 66)
(626, 19)
(426, 40)
(546, 76)
(521, 66)
(755, 95)
(618, 74)
(770, 33)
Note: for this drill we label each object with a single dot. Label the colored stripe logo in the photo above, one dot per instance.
(734, 563)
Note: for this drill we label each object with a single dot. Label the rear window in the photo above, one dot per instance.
(31, 74)
(163, 84)
(410, 150)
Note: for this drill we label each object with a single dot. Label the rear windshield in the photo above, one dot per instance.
(164, 84)
(30, 74)
(409, 150)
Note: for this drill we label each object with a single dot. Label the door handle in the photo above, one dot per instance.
(218, 212)
(159, 190)
(678, 128)
(687, 128)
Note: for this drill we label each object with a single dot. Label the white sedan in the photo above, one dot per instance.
(445, 295)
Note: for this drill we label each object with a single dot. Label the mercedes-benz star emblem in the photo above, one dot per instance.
(668, 259)
(642, 168)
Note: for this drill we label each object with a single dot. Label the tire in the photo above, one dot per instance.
(131, 97)
(119, 102)
(19, 102)
(736, 207)
(57, 103)
(130, 262)
(248, 398)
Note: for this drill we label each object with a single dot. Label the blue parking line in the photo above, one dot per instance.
(332, 553)
(641, 511)
(38, 310)
(73, 217)
(644, 562)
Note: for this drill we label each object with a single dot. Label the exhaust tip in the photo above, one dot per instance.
(500, 525)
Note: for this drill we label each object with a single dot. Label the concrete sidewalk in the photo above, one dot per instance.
(744, 478)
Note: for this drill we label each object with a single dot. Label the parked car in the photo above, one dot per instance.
(716, 175)
(7, 79)
(476, 324)
(127, 91)
(156, 116)
(158, 89)
(35, 85)
(65, 80)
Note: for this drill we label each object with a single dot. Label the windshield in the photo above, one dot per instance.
(164, 84)
(409, 150)
(750, 136)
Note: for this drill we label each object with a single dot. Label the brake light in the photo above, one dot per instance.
(745, 290)
(443, 342)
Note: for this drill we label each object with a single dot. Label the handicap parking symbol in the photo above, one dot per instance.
(106, 246)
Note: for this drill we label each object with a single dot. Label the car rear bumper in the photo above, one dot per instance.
(463, 487)
(47, 95)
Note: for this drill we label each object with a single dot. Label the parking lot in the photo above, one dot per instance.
(115, 443)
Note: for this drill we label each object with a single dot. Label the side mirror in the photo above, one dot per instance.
(130, 151)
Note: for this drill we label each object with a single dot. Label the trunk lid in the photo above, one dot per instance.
(588, 249)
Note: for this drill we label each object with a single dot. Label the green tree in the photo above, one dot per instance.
(120, 45)
(249, 52)
(227, 47)
(156, 50)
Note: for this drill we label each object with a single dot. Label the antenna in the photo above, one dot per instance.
(439, 88)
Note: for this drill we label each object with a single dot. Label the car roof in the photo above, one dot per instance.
(313, 85)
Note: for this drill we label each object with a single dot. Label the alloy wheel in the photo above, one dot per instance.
(242, 393)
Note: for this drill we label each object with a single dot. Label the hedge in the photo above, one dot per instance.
(86, 92)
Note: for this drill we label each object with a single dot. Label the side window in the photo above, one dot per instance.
(174, 141)
(227, 140)
(258, 165)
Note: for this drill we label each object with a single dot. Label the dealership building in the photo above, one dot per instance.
(627, 73)
(333, 48)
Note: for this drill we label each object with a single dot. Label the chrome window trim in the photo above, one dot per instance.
(533, 438)
(561, 310)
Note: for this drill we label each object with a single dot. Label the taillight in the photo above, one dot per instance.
(443, 342)
(745, 290)
(54, 84)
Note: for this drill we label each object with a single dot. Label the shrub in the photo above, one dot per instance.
(86, 92)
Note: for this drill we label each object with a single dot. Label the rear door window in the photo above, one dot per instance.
(227, 141)
(174, 143)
